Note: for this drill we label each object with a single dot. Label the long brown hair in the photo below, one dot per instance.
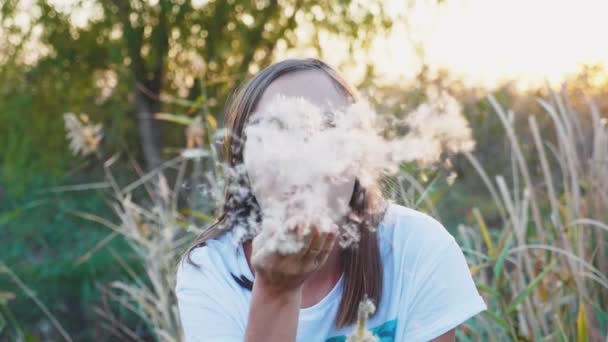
(363, 272)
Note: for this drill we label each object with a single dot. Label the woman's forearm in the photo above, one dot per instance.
(273, 315)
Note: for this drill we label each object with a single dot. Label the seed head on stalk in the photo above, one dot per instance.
(366, 309)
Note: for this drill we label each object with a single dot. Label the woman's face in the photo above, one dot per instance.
(318, 89)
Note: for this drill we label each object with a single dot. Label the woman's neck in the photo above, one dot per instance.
(320, 283)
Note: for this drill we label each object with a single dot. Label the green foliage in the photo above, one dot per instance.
(174, 49)
(168, 48)
(46, 243)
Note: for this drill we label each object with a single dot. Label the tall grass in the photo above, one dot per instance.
(157, 220)
(544, 270)
(158, 227)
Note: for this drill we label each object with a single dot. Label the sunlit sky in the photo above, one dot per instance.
(488, 41)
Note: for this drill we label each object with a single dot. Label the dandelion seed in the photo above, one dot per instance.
(84, 136)
(435, 126)
(299, 157)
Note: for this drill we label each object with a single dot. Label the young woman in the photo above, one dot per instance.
(407, 263)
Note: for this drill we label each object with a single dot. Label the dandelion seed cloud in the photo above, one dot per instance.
(302, 159)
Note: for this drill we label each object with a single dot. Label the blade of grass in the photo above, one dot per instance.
(531, 287)
(500, 262)
(581, 324)
(494, 317)
(484, 232)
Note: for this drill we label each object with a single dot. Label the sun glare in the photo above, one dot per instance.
(483, 42)
(489, 41)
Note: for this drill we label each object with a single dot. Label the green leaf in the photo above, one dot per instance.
(211, 121)
(581, 324)
(487, 290)
(196, 104)
(500, 262)
(200, 215)
(485, 233)
(493, 316)
(180, 119)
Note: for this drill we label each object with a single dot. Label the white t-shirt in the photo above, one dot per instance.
(428, 289)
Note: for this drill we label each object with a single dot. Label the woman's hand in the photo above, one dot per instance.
(277, 287)
(280, 272)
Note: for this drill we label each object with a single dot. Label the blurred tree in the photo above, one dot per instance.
(186, 48)
(120, 61)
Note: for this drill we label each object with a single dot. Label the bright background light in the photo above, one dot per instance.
(482, 42)
(489, 41)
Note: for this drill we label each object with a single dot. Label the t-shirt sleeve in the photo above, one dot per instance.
(205, 306)
(443, 294)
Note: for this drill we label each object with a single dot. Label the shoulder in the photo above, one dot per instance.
(208, 264)
(211, 305)
(432, 281)
(413, 230)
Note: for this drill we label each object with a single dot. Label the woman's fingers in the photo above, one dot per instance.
(328, 246)
(322, 245)
(316, 245)
(316, 242)
(306, 237)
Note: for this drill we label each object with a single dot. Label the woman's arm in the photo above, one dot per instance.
(273, 316)
(277, 287)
